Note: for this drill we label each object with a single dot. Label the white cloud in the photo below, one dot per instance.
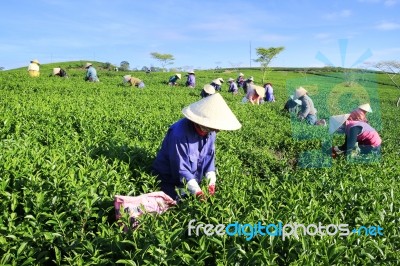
(345, 13)
(390, 2)
(387, 26)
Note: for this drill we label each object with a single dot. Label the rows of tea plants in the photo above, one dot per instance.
(68, 147)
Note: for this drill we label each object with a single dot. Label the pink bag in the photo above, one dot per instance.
(154, 202)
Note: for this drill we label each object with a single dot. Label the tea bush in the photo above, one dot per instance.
(67, 147)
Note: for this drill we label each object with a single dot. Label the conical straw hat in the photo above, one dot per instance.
(336, 121)
(209, 89)
(88, 65)
(241, 74)
(191, 72)
(179, 76)
(212, 112)
(300, 92)
(221, 80)
(126, 78)
(297, 101)
(56, 70)
(217, 82)
(35, 61)
(230, 79)
(366, 107)
(260, 90)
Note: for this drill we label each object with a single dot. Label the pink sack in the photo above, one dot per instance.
(154, 202)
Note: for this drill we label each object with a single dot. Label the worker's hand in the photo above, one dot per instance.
(211, 189)
(336, 151)
(200, 196)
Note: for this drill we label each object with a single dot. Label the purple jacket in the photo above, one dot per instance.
(233, 87)
(184, 153)
(191, 80)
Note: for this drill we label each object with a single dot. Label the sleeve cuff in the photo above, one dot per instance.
(211, 177)
(193, 186)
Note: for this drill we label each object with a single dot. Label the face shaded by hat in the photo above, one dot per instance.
(337, 121)
(300, 92)
(212, 112)
(88, 65)
(35, 61)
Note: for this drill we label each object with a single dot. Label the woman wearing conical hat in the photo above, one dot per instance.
(269, 92)
(59, 72)
(292, 106)
(360, 113)
(247, 83)
(133, 81)
(357, 132)
(34, 69)
(173, 80)
(240, 80)
(232, 86)
(191, 79)
(91, 73)
(255, 94)
(207, 91)
(187, 154)
(216, 83)
(308, 111)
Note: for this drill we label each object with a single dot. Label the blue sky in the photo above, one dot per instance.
(200, 34)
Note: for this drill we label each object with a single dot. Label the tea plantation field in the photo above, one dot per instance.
(67, 147)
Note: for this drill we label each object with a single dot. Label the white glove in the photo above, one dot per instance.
(337, 150)
(211, 178)
(193, 186)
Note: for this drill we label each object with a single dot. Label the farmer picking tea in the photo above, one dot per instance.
(207, 91)
(133, 81)
(357, 132)
(191, 79)
(173, 80)
(91, 73)
(187, 153)
(34, 69)
(360, 113)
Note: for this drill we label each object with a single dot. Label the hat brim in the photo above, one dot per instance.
(209, 89)
(337, 121)
(212, 112)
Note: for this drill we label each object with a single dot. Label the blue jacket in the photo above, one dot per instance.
(184, 154)
(91, 74)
